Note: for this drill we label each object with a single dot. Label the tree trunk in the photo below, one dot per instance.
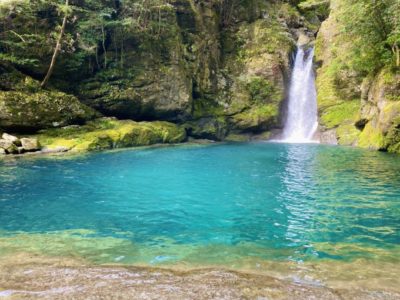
(396, 52)
(57, 50)
(104, 46)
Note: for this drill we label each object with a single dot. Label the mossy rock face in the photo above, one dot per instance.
(254, 77)
(347, 135)
(159, 93)
(361, 109)
(372, 138)
(25, 110)
(393, 137)
(315, 11)
(380, 112)
(343, 113)
(256, 119)
(150, 82)
(108, 133)
(208, 128)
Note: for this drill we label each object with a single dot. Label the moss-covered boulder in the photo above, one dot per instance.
(24, 106)
(21, 110)
(109, 133)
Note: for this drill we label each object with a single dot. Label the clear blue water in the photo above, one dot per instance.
(223, 202)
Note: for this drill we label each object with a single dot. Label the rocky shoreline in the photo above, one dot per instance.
(107, 134)
(34, 277)
(10, 144)
(99, 134)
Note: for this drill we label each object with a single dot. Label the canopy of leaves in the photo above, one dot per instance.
(29, 29)
(373, 26)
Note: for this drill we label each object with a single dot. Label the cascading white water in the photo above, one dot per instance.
(302, 119)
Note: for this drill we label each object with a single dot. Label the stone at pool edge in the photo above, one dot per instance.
(58, 149)
(8, 146)
(30, 144)
(15, 140)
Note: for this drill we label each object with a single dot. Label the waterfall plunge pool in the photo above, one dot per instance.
(309, 213)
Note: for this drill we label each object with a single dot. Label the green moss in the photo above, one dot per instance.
(111, 133)
(206, 108)
(267, 35)
(371, 138)
(315, 11)
(342, 113)
(260, 89)
(393, 137)
(235, 137)
(257, 118)
(390, 80)
(327, 95)
(347, 135)
(41, 109)
(214, 128)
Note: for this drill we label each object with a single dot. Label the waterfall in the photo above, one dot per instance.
(302, 118)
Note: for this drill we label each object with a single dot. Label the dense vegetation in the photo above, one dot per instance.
(359, 78)
(374, 27)
(30, 30)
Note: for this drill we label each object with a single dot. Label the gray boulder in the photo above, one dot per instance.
(8, 146)
(11, 138)
(30, 144)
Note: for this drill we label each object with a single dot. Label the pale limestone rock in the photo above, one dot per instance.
(30, 144)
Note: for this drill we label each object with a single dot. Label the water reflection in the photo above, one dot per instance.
(297, 195)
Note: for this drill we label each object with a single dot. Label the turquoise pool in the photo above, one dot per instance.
(225, 204)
